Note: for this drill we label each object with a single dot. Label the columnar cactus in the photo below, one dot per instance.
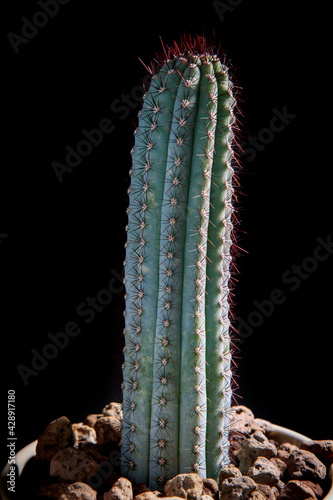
(177, 370)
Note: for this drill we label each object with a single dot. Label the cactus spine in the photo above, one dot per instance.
(177, 370)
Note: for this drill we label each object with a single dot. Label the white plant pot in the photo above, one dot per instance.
(280, 434)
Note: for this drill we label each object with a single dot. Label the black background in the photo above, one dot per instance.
(65, 238)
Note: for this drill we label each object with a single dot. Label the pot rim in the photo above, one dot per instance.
(274, 432)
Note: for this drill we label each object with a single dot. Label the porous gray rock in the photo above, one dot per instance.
(316, 488)
(91, 419)
(113, 409)
(280, 464)
(323, 449)
(269, 492)
(241, 419)
(304, 464)
(146, 495)
(259, 436)
(121, 490)
(210, 488)
(257, 445)
(78, 491)
(259, 424)
(84, 433)
(237, 488)
(228, 471)
(256, 495)
(284, 450)
(188, 486)
(58, 435)
(73, 465)
(236, 440)
(263, 471)
(108, 428)
(296, 490)
(92, 450)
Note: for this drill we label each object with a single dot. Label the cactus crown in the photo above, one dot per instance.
(177, 370)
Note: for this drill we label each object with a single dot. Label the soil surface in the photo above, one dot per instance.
(82, 461)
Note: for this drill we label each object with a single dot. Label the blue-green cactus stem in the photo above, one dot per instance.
(177, 370)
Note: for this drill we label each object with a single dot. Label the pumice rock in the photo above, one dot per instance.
(84, 433)
(303, 464)
(257, 445)
(58, 435)
(263, 471)
(108, 428)
(323, 449)
(91, 419)
(297, 490)
(228, 471)
(241, 419)
(78, 491)
(290, 474)
(188, 486)
(121, 490)
(235, 488)
(73, 465)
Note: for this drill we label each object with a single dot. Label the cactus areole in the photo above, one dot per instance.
(177, 369)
